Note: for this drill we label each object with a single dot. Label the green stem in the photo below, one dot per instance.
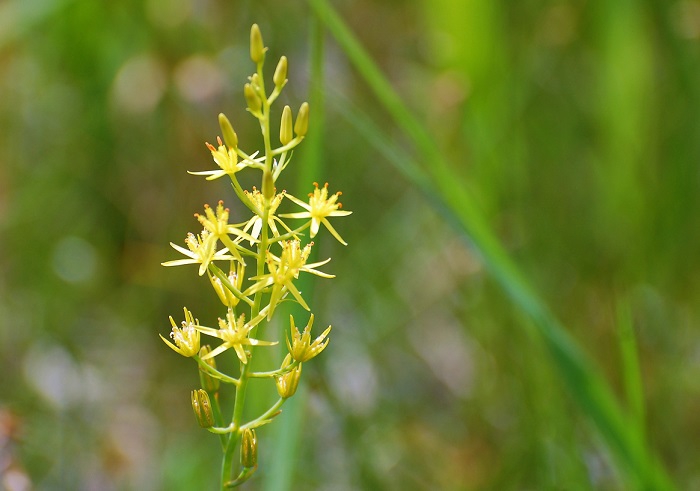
(235, 427)
(221, 430)
(291, 235)
(214, 372)
(242, 195)
(265, 120)
(227, 464)
(245, 474)
(244, 377)
(266, 416)
(274, 373)
(245, 156)
(286, 148)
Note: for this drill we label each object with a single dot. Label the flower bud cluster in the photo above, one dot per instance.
(253, 263)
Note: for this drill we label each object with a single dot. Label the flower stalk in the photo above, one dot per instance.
(265, 257)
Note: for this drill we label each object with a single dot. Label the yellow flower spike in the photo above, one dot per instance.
(209, 383)
(186, 337)
(278, 258)
(319, 207)
(249, 449)
(257, 47)
(201, 405)
(287, 383)
(230, 136)
(302, 124)
(202, 251)
(280, 76)
(234, 334)
(235, 278)
(301, 348)
(283, 271)
(286, 126)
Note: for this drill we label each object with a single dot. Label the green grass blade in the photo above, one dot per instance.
(631, 369)
(279, 473)
(631, 372)
(587, 386)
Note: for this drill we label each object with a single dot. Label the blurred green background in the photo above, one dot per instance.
(571, 125)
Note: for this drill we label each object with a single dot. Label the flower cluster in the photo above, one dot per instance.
(265, 256)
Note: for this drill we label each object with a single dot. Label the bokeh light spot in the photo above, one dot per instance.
(139, 85)
(74, 259)
(168, 13)
(198, 78)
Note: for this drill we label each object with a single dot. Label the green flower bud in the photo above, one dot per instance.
(249, 449)
(209, 383)
(280, 76)
(230, 136)
(257, 48)
(268, 185)
(202, 408)
(302, 124)
(287, 384)
(286, 126)
(253, 100)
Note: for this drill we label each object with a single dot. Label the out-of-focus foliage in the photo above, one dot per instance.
(574, 125)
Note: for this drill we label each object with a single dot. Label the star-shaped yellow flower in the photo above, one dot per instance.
(200, 250)
(186, 337)
(301, 348)
(219, 228)
(319, 207)
(234, 333)
(255, 224)
(284, 270)
(227, 160)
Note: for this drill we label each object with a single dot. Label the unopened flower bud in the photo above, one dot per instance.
(249, 449)
(230, 136)
(287, 384)
(235, 278)
(202, 408)
(280, 76)
(257, 48)
(253, 100)
(302, 123)
(209, 383)
(268, 185)
(286, 126)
